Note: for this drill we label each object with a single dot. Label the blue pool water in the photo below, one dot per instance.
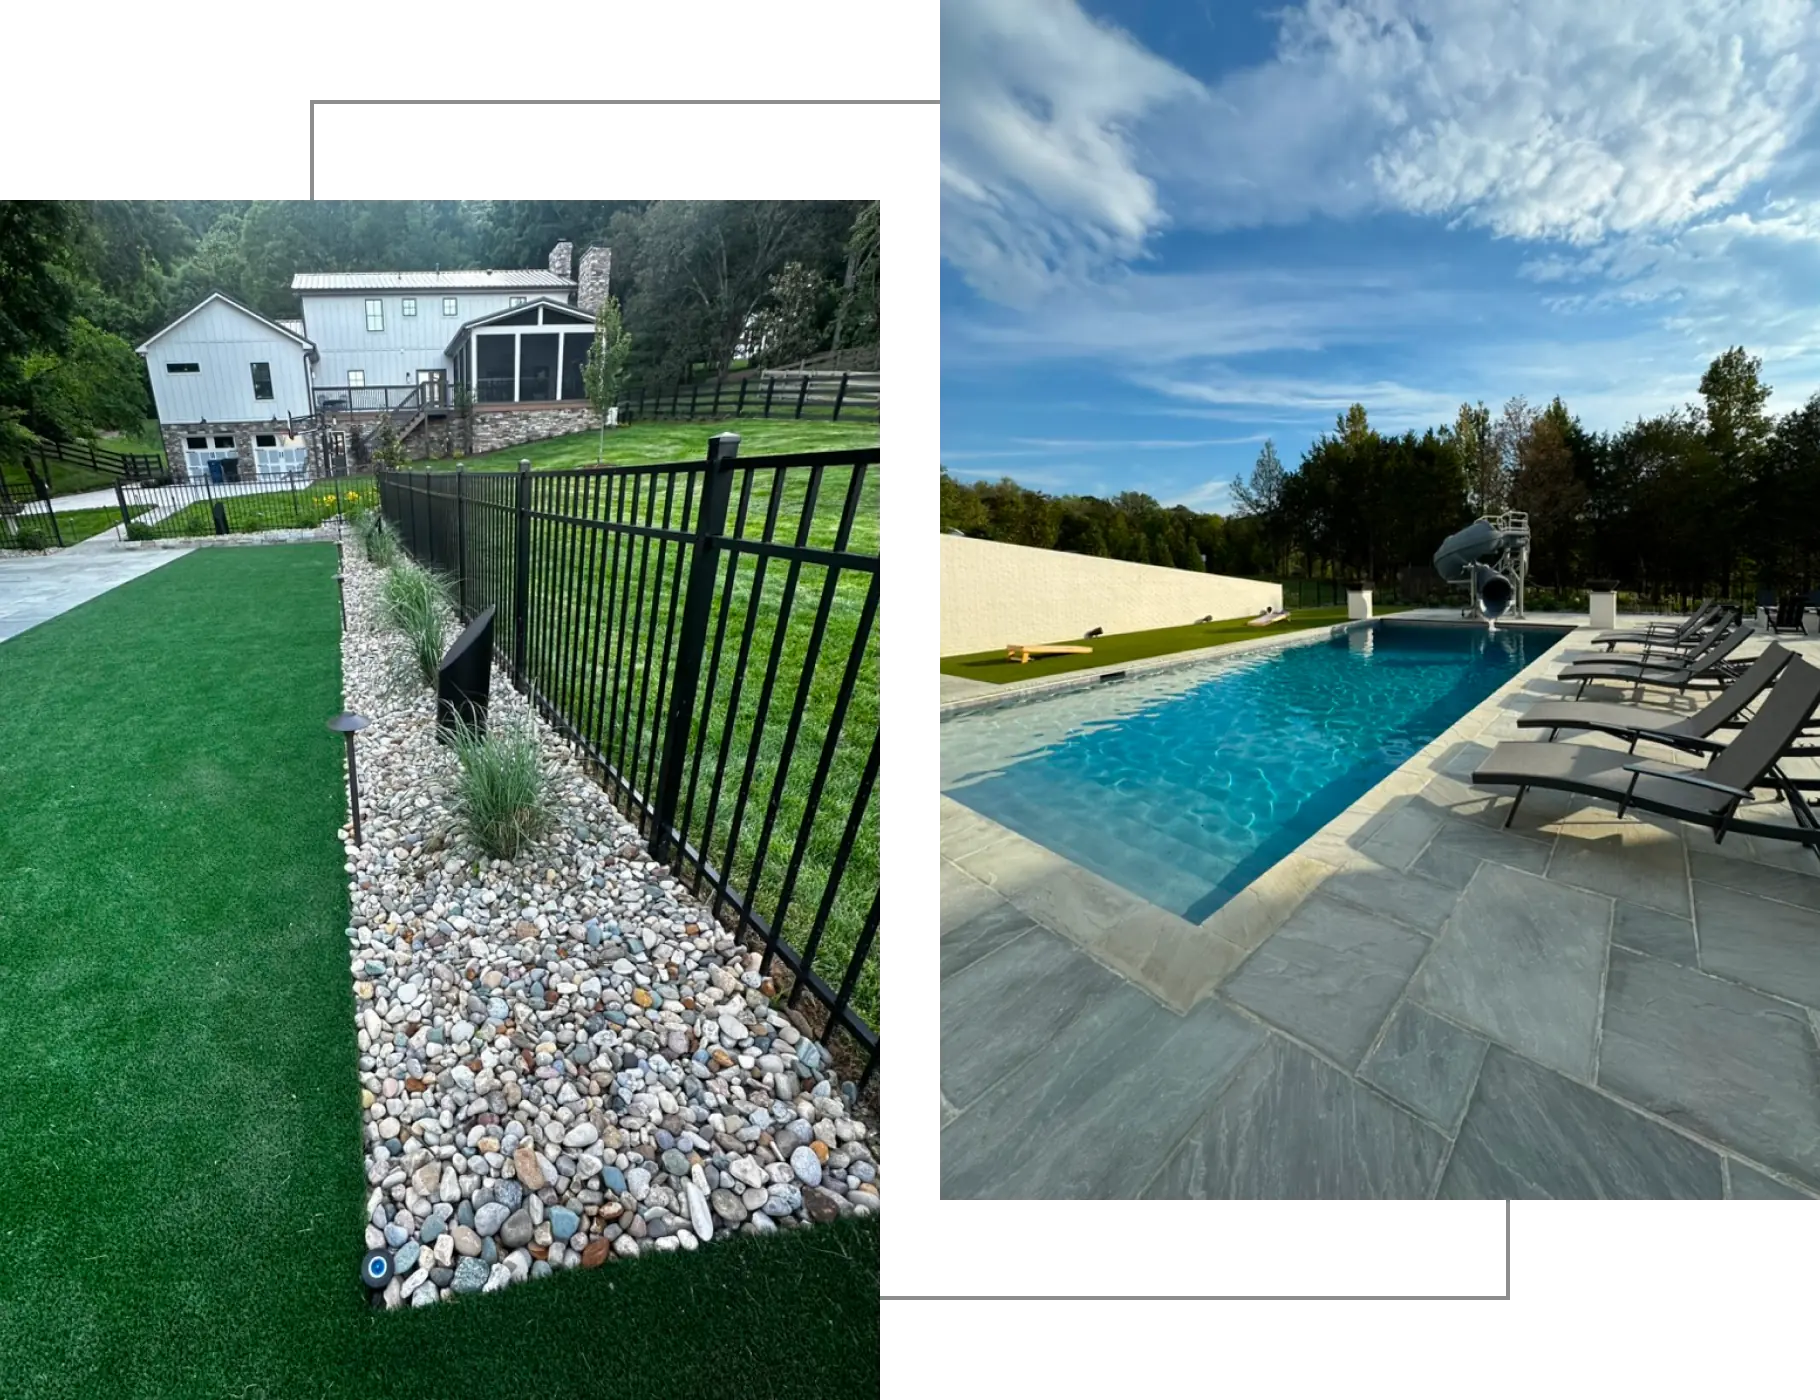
(1185, 785)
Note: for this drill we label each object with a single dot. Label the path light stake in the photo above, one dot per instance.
(350, 725)
(342, 588)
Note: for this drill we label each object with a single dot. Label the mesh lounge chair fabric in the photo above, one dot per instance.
(1675, 675)
(1665, 726)
(1694, 621)
(1706, 795)
(1788, 615)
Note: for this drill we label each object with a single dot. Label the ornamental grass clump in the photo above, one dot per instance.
(376, 542)
(418, 604)
(503, 798)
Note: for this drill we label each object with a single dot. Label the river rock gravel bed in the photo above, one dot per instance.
(563, 1060)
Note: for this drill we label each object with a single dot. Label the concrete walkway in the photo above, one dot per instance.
(38, 588)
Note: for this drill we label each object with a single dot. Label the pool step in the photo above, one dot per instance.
(1128, 852)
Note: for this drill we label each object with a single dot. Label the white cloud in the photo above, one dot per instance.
(1040, 176)
(1066, 144)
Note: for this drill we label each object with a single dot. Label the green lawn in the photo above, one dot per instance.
(179, 1097)
(73, 526)
(146, 439)
(640, 444)
(307, 505)
(1135, 646)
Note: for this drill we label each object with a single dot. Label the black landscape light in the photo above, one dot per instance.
(465, 677)
(350, 725)
(342, 588)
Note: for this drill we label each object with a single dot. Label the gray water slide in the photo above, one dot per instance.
(1482, 556)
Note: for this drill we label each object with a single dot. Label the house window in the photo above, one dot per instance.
(357, 379)
(265, 439)
(262, 380)
(196, 444)
(494, 365)
(375, 314)
(537, 368)
(516, 301)
(185, 368)
(410, 306)
(448, 306)
(224, 441)
(574, 355)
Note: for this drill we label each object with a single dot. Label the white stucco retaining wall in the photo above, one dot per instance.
(993, 594)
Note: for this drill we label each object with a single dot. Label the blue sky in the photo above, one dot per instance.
(1173, 228)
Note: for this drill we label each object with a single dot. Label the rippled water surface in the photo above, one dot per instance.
(1184, 786)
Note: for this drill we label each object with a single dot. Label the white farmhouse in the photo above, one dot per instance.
(240, 396)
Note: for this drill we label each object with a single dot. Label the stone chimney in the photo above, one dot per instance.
(591, 280)
(559, 258)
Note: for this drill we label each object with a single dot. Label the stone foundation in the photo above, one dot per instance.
(511, 427)
(244, 433)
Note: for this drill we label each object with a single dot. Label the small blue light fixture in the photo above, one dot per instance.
(376, 1269)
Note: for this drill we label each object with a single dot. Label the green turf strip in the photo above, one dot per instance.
(178, 1094)
(1115, 647)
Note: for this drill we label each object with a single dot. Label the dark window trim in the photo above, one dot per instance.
(265, 439)
(182, 367)
(363, 379)
(196, 444)
(371, 302)
(448, 306)
(408, 306)
(265, 365)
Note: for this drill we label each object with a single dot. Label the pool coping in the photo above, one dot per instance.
(1007, 692)
(1174, 960)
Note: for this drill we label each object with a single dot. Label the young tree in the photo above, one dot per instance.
(1478, 449)
(606, 364)
(388, 449)
(1547, 487)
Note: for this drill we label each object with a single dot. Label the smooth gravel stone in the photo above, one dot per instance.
(810, 1055)
(699, 1218)
(626, 1247)
(509, 1194)
(540, 1268)
(433, 1225)
(497, 1278)
(563, 1222)
(442, 1278)
(783, 1199)
(665, 1141)
(470, 1276)
(406, 1258)
(727, 1206)
(466, 1241)
(675, 1163)
(490, 1217)
(581, 1135)
(807, 1166)
(464, 1214)
(638, 1182)
(516, 1231)
(395, 1235)
(613, 1179)
(587, 1167)
(821, 1206)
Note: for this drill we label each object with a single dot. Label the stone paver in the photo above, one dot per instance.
(36, 588)
(1416, 1002)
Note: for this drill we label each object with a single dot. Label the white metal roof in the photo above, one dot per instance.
(471, 280)
(582, 318)
(294, 327)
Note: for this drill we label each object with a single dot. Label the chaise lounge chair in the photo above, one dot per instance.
(1660, 632)
(1684, 731)
(1708, 796)
(1788, 615)
(1708, 664)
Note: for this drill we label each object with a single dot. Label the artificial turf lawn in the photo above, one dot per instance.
(178, 1096)
(1115, 647)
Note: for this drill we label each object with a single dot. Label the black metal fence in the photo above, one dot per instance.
(184, 510)
(642, 611)
(852, 395)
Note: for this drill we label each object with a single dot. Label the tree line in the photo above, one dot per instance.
(1715, 495)
(702, 284)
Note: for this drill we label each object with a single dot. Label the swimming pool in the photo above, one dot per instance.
(1184, 785)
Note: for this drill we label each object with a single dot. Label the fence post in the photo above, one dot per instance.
(704, 567)
(770, 388)
(739, 410)
(802, 394)
(521, 574)
(126, 518)
(461, 543)
(839, 397)
(715, 411)
(43, 485)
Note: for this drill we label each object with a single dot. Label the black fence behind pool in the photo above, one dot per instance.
(706, 634)
(186, 509)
